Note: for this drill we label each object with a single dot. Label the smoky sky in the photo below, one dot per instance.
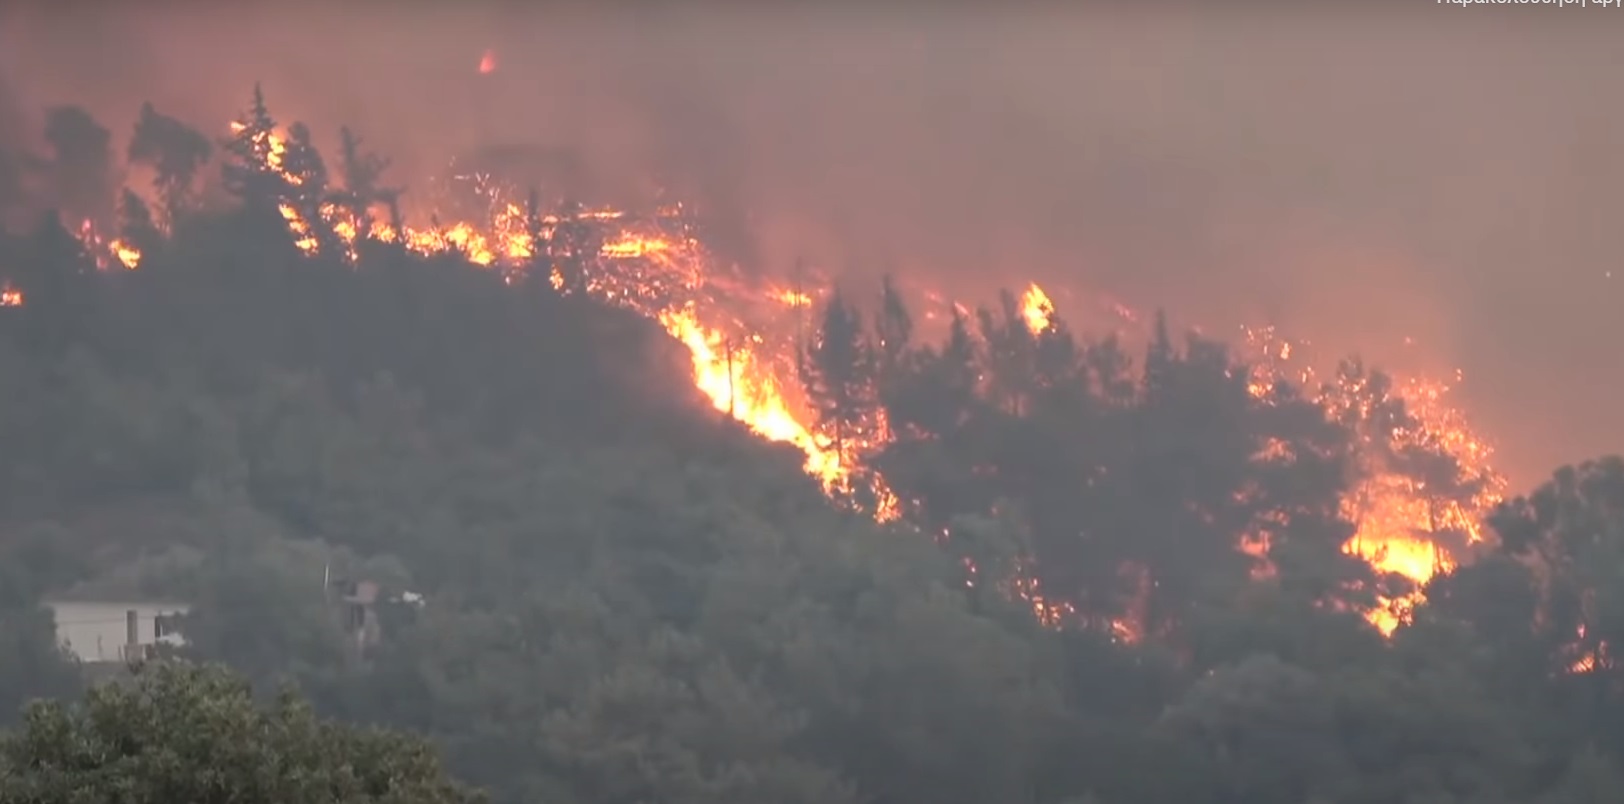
(1427, 174)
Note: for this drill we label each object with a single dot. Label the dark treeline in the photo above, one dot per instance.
(615, 597)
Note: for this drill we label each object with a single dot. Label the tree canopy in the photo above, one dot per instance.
(1063, 567)
(182, 733)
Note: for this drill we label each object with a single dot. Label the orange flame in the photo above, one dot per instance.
(1036, 308)
(744, 376)
(1399, 520)
(731, 378)
(129, 256)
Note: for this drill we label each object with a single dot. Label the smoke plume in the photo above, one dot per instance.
(1430, 186)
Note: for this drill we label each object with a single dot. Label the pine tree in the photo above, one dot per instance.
(1011, 354)
(83, 167)
(252, 169)
(303, 166)
(362, 173)
(573, 247)
(933, 391)
(536, 268)
(1159, 359)
(397, 220)
(56, 278)
(893, 325)
(839, 376)
(136, 227)
(308, 187)
(175, 152)
(1056, 360)
(1110, 371)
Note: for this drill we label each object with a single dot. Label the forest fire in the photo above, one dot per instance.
(1036, 308)
(1403, 526)
(744, 359)
(127, 255)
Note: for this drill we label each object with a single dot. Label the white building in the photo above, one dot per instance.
(97, 631)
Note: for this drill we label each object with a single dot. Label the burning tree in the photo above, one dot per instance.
(254, 152)
(363, 190)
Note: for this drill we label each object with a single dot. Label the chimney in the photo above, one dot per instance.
(132, 630)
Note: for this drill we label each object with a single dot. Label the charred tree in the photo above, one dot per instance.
(82, 167)
(573, 247)
(175, 152)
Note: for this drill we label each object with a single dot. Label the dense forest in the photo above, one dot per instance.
(1103, 574)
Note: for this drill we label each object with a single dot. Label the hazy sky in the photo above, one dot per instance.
(1444, 174)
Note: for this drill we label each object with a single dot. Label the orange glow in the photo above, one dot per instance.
(1399, 520)
(10, 296)
(106, 252)
(276, 148)
(744, 363)
(487, 62)
(736, 384)
(129, 256)
(1036, 308)
(791, 298)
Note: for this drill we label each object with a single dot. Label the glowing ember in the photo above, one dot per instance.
(652, 265)
(791, 298)
(1398, 520)
(1402, 522)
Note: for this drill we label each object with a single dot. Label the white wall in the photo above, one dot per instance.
(95, 631)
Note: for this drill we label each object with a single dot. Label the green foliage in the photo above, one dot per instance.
(591, 590)
(34, 667)
(185, 733)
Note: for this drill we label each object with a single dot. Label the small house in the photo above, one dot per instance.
(100, 631)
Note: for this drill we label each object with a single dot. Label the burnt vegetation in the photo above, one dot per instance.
(618, 596)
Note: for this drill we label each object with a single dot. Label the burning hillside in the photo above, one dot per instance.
(1423, 478)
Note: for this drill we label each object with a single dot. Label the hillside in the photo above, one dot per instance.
(1018, 562)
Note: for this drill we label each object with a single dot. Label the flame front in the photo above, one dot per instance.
(736, 385)
(1401, 523)
(654, 266)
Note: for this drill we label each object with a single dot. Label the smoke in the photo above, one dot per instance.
(13, 120)
(1436, 175)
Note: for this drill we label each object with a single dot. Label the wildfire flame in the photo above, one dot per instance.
(129, 256)
(1036, 308)
(655, 267)
(732, 380)
(1401, 523)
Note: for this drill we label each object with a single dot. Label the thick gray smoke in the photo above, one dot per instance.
(1433, 173)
